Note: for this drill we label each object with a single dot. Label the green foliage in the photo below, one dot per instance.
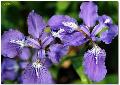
(61, 6)
(77, 64)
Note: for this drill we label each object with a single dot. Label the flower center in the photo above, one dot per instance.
(18, 42)
(71, 25)
(37, 65)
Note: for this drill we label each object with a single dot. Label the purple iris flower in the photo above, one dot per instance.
(9, 69)
(105, 30)
(94, 59)
(14, 43)
(72, 34)
(42, 42)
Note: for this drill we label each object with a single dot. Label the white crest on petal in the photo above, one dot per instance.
(107, 21)
(57, 34)
(96, 51)
(37, 65)
(71, 25)
(19, 42)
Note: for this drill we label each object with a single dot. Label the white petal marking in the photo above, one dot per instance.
(71, 25)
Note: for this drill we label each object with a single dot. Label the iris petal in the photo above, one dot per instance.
(57, 51)
(35, 24)
(9, 49)
(29, 75)
(94, 64)
(88, 13)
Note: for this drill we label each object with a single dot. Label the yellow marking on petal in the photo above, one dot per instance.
(47, 30)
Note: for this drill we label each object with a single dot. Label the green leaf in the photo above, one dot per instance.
(54, 71)
(8, 82)
(109, 79)
(77, 64)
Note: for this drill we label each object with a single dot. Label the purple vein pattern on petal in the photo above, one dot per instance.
(32, 42)
(35, 24)
(109, 34)
(41, 53)
(94, 65)
(73, 39)
(85, 29)
(88, 13)
(10, 49)
(29, 76)
(46, 39)
(57, 51)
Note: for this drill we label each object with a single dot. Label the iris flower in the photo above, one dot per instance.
(14, 43)
(72, 34)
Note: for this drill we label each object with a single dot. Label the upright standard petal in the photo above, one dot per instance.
(109, 34)
(36, 74)
(35, 24)
(94, 64)
(11, 43)
(57, 51)
(88, 13)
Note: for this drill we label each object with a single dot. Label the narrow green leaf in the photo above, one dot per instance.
(77, 64)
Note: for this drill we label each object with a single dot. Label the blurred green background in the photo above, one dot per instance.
(14, 15)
